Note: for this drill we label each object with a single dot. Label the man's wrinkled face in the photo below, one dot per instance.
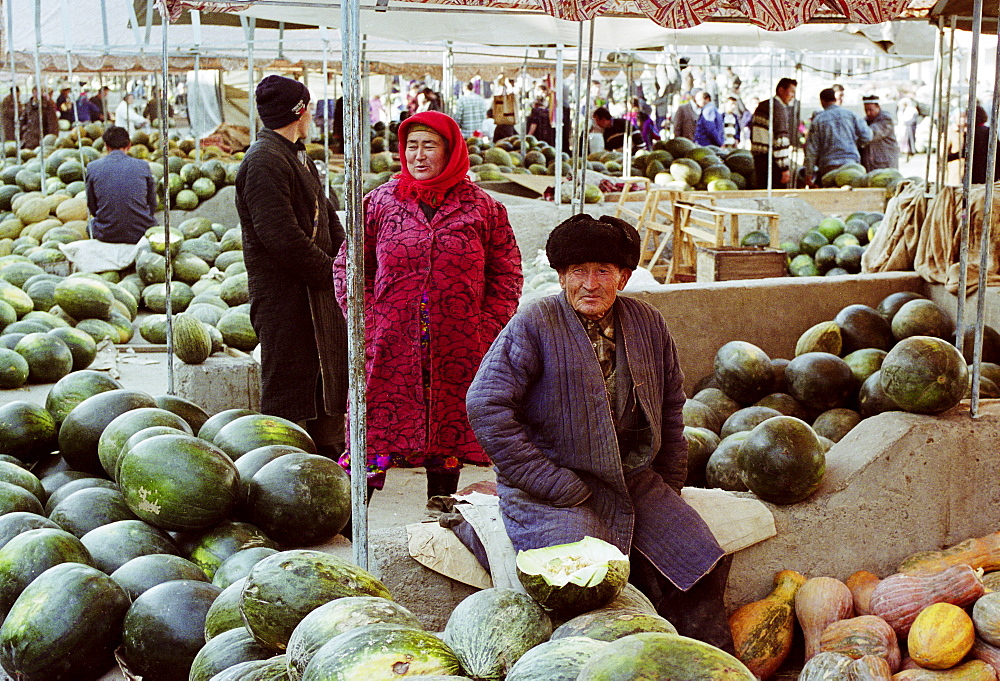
(592, 287)
(872, 110)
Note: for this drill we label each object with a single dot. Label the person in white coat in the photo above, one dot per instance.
(128, 117)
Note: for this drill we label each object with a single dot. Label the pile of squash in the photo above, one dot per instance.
(936, 619)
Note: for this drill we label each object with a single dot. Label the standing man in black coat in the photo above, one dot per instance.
(290, 236)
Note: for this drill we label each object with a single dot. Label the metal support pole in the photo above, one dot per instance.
(365, 138)
(41, 93)
(324, 36)
(770, 125)
(14, 95)
(248, 30)
(935, 95)
(985, 240)
(74, 96)
(559, 120)
(165, 141)
(580, 117)
(945, 97)
(578, 170)
(354, 227)
(524, 121)
(196, 101)
(970, 126)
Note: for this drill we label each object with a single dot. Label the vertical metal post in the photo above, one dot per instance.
(14, 95)
(935, 95)
(985, 241)
(354, 227)
(524, 120)
(944, 97)
(325, 37)
(197, 101)
(164, 140)
(41, 93)
(970, 127)
(771, 106)
(579, 171)
(248, 31)
(559, 120)
(365, 138)
(74, 96)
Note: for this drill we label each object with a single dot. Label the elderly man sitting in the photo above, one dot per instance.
(578, 404)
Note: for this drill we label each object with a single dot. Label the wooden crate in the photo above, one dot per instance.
(726, 263)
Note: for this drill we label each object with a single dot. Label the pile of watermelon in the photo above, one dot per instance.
(62, 169)
(764, 424)
(834, 246)
(209, 285)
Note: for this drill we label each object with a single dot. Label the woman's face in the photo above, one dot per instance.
(425, 154)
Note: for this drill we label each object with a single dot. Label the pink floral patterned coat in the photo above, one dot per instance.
(467, 264)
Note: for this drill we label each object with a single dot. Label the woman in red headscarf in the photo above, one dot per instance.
(442, 277)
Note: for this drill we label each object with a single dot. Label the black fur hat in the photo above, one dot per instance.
(583, 238)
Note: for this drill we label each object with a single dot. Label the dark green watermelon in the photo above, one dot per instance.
(747, 419)
(299, 499)
(81, 346)
(890, 305)
(209, 550)
(88, 509)
(65, 626)
(558, 660)
(924, 375)
(247, 433)
(114, 436)
(195, 416)
(16, 498)
(214, 424)
(225, 611)
(16, 522)
(863, 327)
(144, 572)
(48, 357)
(251, 462)
(31, 553)
(701, 443)
(378, 651)
(81, 430)
(72, 487)
(743, 371)
(722, 470)
(836, 423)
(27, 431)
(922, 318)
(610, 624)
(784, 404)
(117, 543)
(73, 389)
(238, 565)
(782, 460)
(225, 650)
(820, 380)
(164, 629)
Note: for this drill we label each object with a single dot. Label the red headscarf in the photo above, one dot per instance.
(433, 191)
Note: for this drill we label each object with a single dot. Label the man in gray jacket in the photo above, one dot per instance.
(578, 404)
(883, 150)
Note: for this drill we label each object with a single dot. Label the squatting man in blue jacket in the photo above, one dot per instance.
(578, 404)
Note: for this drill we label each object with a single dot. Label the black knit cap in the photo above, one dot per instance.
(582, 238)
(280, 101)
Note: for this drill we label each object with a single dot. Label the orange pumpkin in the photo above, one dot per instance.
(978, 552)
(899, 598)
(860, 636)
(974, 670)
(818, 603)
(861, 584)
(762, 630)
(941, 636)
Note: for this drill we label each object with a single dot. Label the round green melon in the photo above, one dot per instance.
(299, 499)
(87, 509)
(663, 656)
(782, 460)
(722, 470)
(13, 470)
(282, 589)
(17, 522)
(225, 611)
(272, 669)
(872, 399)
(186, 199)
(65, 626)
(100, 330)
(492, 628)
(29, 431)
(381, 651)
(117, 543)
(214, 424)
(31, 553)
(209, 550)
(84, 298)
(820, 380)
(924, 375)
(570, 579)
(178, 482)
(13, 369)
(192, 342)
(81, 430)
(747, 419)
(189, 268)
(164, 628)
(251, 462)
(194, 415)
(74, 388)
(834, 424)
(48, 357)
(238, 565)
(889, 306)
(248, 432)
(811, 242)
(116, 434)
(865, 362)
(74, 486)
(723, 405)
(144, 572)
(699, 415)
(237, 331)
(337, 617)
(559, 660)
(701, 443)
(922, 317)
(743, 371)
(153, 329)
(610, 624)
(225, 650)
(81, 346)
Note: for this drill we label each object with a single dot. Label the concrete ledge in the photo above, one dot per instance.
(427, 594)
(221, 382)
(770, 313)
